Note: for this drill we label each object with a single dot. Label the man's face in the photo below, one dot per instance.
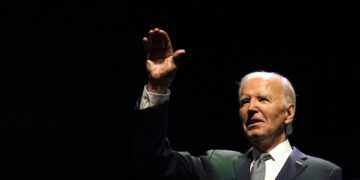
(262, 109)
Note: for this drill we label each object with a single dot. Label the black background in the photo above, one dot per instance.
(72, 71)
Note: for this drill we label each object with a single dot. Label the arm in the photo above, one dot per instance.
(153, 155)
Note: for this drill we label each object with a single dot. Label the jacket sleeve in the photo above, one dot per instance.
(152, 154)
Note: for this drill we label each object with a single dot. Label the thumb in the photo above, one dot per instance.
(177, 54)
(149, 64)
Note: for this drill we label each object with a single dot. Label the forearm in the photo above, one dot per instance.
(153, 156)
(150, 146)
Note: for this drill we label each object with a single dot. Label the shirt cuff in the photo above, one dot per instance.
(150, 99)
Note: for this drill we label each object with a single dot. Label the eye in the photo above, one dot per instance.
(263, 99)
(244, 101)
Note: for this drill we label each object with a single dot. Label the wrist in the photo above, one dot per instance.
(156, 88)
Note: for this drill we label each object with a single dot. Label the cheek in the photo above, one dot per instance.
(242, 114)
(275, 118)
(272, 111)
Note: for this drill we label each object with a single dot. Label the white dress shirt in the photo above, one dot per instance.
(279, 156)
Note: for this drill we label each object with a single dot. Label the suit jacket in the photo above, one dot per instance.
(298, 166)
(154, 158)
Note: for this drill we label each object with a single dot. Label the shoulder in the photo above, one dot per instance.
(317, 165)
(312, 160)
(319, 161)
(222, 162)
(222, 154)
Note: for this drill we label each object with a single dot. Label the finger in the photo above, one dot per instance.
(177, 54)
(155, 39)
(146, 44)
(166, 43)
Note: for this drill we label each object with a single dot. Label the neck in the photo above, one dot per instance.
(267, 144)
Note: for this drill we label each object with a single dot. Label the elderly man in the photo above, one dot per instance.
(267, 108)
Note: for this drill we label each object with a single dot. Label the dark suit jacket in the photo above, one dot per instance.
(298, 166)
(154, 158)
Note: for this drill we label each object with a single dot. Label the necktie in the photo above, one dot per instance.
(258, 169)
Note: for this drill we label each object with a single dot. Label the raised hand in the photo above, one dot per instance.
(162, 61)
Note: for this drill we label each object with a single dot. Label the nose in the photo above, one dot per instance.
(252, 109)
(252, 103)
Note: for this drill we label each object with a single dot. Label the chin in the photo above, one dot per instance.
(254, 136)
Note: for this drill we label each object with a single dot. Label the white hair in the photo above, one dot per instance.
(289, 91)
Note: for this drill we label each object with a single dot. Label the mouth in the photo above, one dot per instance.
(254, 122)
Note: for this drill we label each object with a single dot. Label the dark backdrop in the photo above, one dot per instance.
(72, 71)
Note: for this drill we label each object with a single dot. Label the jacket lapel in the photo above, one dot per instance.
(242, 166)
(293, 165)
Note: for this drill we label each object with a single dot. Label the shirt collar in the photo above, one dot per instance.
(279, 154)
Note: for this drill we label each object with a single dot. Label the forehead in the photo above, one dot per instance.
(262, 86)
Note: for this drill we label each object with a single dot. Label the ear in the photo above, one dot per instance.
(290, 113)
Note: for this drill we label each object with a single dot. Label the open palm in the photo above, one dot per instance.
(161, 61)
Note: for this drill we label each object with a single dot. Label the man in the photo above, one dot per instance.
(267, 109)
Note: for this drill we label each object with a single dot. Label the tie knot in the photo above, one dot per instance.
(264, 157)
